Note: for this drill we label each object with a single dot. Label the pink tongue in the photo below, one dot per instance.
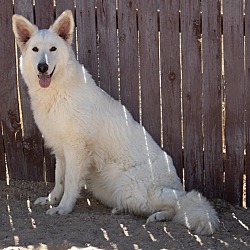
(44, 81)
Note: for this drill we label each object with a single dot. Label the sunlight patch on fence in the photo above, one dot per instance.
(7, 171)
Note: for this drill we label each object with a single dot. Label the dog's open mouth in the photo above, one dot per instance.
(45, 79)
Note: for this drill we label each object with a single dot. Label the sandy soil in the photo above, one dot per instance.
(91, 226)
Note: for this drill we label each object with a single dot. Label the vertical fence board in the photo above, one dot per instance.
(62, 5)
(108, 51)
(2, 160)
(149, 67)
(171, 81)
(9, 111)
(32, 139)
(44, 17)
(96, 23)
(44, 13)
(192, 93)
(247, 86)
(86, 36)
(234, 89)
(128, 56)
(212, 98)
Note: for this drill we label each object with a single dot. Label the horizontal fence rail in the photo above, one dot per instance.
(180, 67)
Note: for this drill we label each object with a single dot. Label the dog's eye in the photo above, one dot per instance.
(35, 49)
(53, 48)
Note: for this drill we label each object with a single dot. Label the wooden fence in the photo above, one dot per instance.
(181, 67)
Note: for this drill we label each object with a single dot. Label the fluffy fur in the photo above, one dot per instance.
(95, 139)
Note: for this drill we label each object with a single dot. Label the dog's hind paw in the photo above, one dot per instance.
(115, 211)
(160, 216)
(58, 210)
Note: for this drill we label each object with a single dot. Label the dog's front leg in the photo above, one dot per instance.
(55, 196)
(75, 172)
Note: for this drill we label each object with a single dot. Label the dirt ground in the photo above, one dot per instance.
(91, 226)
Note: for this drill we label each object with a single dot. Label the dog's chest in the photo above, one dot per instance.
(58, 120)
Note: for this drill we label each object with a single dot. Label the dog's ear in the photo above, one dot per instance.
(64, 26)
(23, 30)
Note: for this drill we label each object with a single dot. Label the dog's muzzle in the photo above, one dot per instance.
(44, 77)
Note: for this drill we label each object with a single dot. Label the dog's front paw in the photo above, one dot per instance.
(59, 210)
(42, 201)
(50, 200)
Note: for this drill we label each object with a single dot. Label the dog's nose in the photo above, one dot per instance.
(42, 67)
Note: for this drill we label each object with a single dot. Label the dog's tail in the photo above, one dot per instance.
(189, 209)
(195, 212)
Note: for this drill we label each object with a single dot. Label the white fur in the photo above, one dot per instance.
(96, 141)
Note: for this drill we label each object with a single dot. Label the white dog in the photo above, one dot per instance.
(94, 138)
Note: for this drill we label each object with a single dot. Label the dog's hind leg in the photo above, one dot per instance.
(55, 196)
(164, 201)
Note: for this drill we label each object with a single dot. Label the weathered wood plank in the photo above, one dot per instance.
(2, 157)
(86, 36)
(44, 13)
(192, 93)
(247, 108)
(32, 139)
(62, 5)
(149, 67)
(212, 98)
(9, 111)
(108, 51)
(128, 56)
(44, 17)
(234, 89)
(171, 81)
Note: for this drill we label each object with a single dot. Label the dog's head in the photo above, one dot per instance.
(44, 51)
